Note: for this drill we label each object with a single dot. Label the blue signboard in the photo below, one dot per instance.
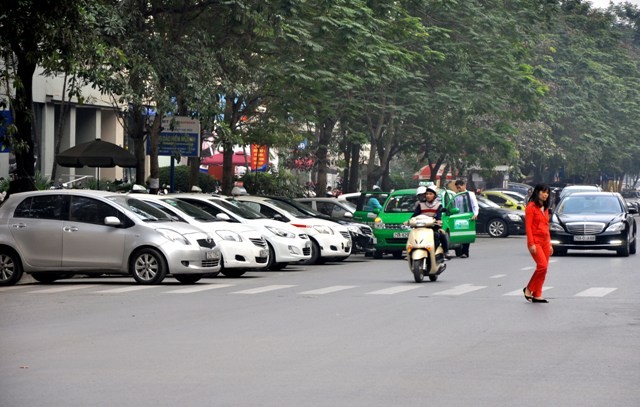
(5, 121)
(181, 135)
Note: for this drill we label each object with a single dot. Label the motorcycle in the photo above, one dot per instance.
(423, 257)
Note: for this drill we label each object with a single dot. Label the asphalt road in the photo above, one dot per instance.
(357, 333)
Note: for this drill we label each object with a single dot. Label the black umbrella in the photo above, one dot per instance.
(96, 153)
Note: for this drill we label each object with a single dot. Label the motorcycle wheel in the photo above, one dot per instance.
(418, 271)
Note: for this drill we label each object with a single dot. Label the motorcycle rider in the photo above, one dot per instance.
(429, 204)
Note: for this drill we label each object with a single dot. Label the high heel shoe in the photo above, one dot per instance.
(539, 300)
(527, 297)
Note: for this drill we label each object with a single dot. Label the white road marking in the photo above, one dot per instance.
(528, 268)
(124, 289)
(198, 288)
(13, 287)
(63, 288)
(498, 276)
(461, 289)
(395, 290)
(263, 289)
(519, 292)
(329, 290)
(596, 292)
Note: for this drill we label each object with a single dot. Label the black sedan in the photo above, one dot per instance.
(593, 220)
(498, 221)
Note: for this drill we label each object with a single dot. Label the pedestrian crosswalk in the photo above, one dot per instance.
(428, 289)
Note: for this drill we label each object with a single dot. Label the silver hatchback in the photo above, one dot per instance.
(50, 234)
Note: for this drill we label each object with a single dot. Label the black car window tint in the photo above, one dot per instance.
(268, 212)
(41, 207)
(324, 208)
(88, 210)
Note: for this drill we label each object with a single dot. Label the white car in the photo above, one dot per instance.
(56, 233)
(330, 241)
(241, 246)
(287, 244)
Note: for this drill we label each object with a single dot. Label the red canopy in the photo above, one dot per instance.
(237, 159)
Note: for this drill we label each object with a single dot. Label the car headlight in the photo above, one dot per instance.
(173, 236)
(280, 232)
(514, 217)
(354, 229)
(555, 227)
(229, 235)
(323, 229)
(616, 227)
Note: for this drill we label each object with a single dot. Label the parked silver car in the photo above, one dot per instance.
(50, 234)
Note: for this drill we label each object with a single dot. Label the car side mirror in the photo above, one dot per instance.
(223, 216)
(376, 210)
(348, 215)
(633, 210)
(112, 221)
(453, 211)
(280, 218)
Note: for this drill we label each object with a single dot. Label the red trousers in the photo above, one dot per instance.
(543, 252)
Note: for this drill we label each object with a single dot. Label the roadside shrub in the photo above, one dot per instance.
(281, 184)
(181, 179)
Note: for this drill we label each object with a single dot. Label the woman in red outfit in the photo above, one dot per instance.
(538, 241)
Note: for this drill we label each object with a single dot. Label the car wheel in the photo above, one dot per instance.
(272, 265)
(232, 273)
(377, 254)
(458, 251)
(10, 267)
(397, 254)
(45, 278)
(497, 228)
(315, 253)
(632, 248)
(624, 252)
(148, 266)
(188, 278)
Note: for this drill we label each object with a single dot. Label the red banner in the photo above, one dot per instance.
(259, 156)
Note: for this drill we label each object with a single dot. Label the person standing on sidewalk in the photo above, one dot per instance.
(538, 241)
(461, 186)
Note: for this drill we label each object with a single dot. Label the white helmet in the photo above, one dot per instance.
(421, 190)
(432, 188)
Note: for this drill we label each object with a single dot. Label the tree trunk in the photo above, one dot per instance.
(324, 139)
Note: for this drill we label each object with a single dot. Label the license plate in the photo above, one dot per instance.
(264, 253)
(401, 235)
(212, 255)
(584, 238)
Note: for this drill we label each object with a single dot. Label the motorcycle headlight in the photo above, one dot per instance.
(323, 229)
(616, 227)
(280, 232)
(229, 235)
(174, 236)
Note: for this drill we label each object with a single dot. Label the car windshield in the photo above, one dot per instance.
(572, 190)
(593, 204)
(191, 210)
(401, 203)
(485, 203)
(515, 196)
(303, 208)
(289, 208)
(141, 209)
(237, 208)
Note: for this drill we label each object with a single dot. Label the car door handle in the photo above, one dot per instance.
(70, 229)
(18, 226)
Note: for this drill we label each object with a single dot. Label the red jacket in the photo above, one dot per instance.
(537, 225)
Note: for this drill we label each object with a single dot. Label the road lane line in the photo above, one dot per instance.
(498, 276)
(461, 289)
(519, 292)
(395, 290)
(124, 289)
(263, 289)
(329, 290)
(596, 292)
(63, 288)
(527, 268)
(198, 288)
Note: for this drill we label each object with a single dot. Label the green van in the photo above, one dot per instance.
(391, 233)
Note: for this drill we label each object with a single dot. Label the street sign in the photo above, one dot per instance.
(180, 136)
